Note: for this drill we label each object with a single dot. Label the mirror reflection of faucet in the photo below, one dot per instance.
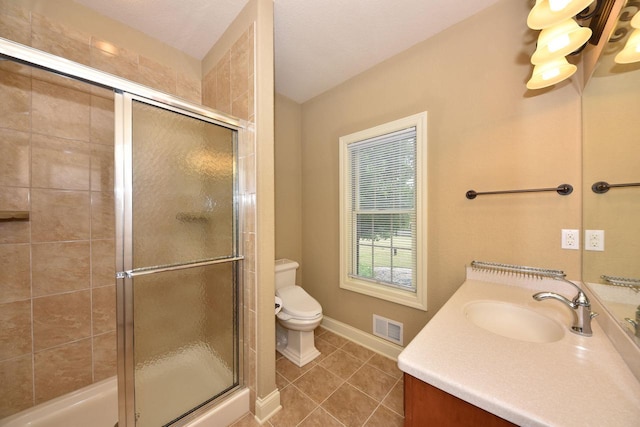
(635, 323)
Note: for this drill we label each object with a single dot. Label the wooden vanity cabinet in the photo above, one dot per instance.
(426, 405)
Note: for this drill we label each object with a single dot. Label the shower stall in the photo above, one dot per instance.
(140, 250)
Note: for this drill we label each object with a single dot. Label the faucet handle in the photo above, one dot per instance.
(636, 326)
(581, 299)
(593, 314)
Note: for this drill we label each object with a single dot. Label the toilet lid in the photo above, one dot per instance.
(298, 303)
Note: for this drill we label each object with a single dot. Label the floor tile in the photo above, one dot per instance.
(350, 406)
(320, 418)
(395, 399)
(358, 351)
(342, 364)
(386, 365)
(290, 370)
(383, 417)
(318, 383)
(334, 339)
(348, 385)
(372, 382)
(281, 381)
(324, 348)
(295, 407)
(319, 331)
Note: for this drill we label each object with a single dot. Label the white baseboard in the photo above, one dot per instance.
(365, 339)
(267, 407)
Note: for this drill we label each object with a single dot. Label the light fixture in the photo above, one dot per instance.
(546, 13)
(631, 51)
(560, 40)
(550, 73)
(635, 21)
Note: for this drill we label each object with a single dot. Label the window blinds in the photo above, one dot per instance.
(382, 177)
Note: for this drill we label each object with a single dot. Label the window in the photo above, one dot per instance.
(383, 211)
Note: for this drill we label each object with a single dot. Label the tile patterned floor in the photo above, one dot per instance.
(346, 386)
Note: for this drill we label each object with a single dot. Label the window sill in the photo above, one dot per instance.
(416, 300)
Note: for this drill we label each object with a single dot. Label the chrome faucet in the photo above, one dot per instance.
(635, 323)
(580, 308)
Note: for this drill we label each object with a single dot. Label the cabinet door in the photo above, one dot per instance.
(426, 405)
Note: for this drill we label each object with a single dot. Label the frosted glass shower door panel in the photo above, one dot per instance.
(184, 341)
(180, 262)
(183, 188)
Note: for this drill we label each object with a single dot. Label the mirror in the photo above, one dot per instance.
(611, 153)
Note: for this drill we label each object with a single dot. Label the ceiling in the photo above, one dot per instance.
(318, 43)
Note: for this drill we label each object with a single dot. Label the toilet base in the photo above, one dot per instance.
(299, 346)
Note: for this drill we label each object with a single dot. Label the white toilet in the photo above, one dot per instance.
(300, 314)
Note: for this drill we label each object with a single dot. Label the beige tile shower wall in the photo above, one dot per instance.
(248, 197)
(41, 32)
(56, 160)
(126, 51)
(229, 87)
(58, 302)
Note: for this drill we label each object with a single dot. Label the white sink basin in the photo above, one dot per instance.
(513, 321)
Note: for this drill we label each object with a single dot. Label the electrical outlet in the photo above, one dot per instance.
(594, 240)
(570, 239)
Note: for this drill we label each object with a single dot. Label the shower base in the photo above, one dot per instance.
(97, 404)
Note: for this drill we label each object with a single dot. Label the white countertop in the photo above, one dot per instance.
(575, 381)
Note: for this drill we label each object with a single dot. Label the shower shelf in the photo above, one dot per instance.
(14, 215)
(192, 217)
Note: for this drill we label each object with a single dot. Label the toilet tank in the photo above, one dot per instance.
(285, 273)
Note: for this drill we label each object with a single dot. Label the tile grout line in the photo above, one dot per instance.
(362, 363)
(319, 405)
(346, 381)
(388, 394)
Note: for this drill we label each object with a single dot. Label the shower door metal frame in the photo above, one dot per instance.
(27, 55)
(124, 246)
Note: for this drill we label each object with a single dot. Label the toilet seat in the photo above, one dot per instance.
(298, 304)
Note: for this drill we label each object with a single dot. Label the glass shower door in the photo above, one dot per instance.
(180, 262)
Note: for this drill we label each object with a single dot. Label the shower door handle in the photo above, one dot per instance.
(129, 274)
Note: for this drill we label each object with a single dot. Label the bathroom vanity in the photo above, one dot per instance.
(495, 356)
(426, 405)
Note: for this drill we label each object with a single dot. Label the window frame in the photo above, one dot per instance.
(417, 299)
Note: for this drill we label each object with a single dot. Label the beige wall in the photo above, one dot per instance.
(611, 153)
(485, 132)
(268, 398)
(288, 165)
